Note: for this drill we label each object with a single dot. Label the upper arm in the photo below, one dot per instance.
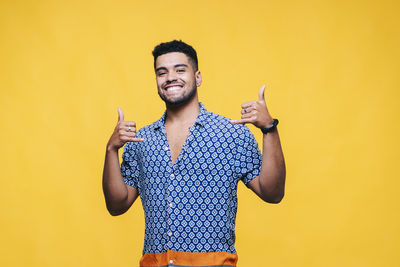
(254, 185)
(124, 205)
(132, 196)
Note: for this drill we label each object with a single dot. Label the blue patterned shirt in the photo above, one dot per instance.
(191, 205)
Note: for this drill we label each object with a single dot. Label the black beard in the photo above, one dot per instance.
(183, 99)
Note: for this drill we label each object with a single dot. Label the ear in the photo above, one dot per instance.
(199, 79)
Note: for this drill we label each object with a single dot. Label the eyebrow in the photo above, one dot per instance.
(175, 66)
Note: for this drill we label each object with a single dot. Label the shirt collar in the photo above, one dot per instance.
(200, 120)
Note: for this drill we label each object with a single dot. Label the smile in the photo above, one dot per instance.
(173, 87)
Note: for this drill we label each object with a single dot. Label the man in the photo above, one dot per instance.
(186, 167)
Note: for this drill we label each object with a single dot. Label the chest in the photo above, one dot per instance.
(176, 137)
(192, 162)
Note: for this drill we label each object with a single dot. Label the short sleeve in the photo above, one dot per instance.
(248, 157)
(130, 165)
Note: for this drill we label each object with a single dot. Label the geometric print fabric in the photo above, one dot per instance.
(191, 205)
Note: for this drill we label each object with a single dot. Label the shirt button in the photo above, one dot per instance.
(172, 175)
(170, 205)
(165, 148)
(169, 233)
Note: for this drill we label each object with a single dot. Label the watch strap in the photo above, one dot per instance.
(271, 127)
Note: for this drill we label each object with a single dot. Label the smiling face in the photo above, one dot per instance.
(177, 80)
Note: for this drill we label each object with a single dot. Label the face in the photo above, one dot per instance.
(176, 78)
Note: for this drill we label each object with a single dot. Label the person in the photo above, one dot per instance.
(186, 167)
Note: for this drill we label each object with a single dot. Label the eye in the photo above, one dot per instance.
(161, 73)
(180, 70)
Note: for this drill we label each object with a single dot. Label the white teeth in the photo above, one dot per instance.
(174, 88)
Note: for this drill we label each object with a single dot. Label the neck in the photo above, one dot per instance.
(185, 113)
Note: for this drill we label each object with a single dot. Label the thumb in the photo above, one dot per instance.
(261, 94)
(120, 115)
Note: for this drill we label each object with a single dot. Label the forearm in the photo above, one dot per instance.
(114, 187)
(273, 170)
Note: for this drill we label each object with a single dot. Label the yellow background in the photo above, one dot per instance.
(332, 75)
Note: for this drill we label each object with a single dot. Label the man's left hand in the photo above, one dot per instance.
(255, 112)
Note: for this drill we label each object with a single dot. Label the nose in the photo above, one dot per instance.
(171, 76)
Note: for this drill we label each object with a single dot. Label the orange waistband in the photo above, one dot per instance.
(181, 258)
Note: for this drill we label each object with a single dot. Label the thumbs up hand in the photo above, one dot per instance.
(255, 112)
(125, 131)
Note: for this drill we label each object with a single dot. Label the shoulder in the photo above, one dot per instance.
(222, 122)
(146, 130)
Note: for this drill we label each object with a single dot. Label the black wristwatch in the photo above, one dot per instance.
(271, 127)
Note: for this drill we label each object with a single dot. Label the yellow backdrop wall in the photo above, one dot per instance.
(332, 75)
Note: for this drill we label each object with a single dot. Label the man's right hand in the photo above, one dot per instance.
(125, 131)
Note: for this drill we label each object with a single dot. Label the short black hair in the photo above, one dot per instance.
(176, 46)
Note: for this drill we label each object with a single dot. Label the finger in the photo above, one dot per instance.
(248, 104)
(126, 132)
(247, 110)
(128, 124)
(247, 115)
(242, 121)
(132, 139)
(120, 115)
(129, 129)
(137, 140)
(261, 94)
